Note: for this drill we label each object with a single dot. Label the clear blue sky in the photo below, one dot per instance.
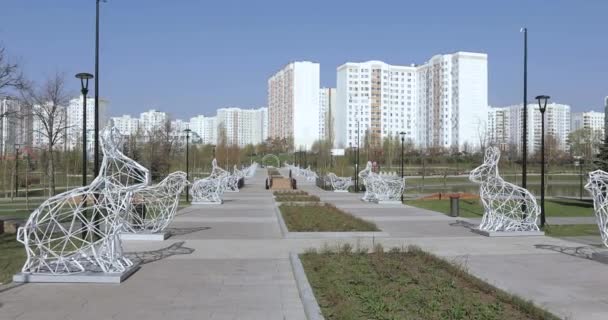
(191, 57)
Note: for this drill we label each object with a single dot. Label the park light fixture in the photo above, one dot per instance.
(84, 89)
(542, 107)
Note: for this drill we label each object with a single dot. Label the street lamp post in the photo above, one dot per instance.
(17, 170)
(357, 157)
(84, 89)
(579, 162)
(402, 141)
(524, 162)
(96, 125)
(542, 107)
(187, 131)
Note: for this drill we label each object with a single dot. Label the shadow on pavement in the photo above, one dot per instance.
(464, 224)
(146, 257)
(583, 252)
(182, 231)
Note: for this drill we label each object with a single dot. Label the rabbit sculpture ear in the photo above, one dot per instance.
(492, 155)
(111, 138)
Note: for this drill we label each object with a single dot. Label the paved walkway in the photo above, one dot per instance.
(231, 262)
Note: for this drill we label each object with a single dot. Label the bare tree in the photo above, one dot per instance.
(47, 103)
(11, 76)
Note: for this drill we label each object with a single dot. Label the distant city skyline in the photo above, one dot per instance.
(192, 58)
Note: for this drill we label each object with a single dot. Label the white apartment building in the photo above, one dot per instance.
(126, 124)
(587, 120)
(375, 98)
(442, 103)
(264, 112)
(293, 103)
(204, 127)
(15, 125)
(242, 126)
(74, 121)
(498, 127)
(327, 104)
(509, 120)
(152, 120)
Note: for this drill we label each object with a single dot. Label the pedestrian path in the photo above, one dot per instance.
(232, 262)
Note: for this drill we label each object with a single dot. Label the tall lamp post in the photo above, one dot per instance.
(542, 107)
(524, 161)
(187, 131)
(96, 125)
(84, 89)
(402, 141)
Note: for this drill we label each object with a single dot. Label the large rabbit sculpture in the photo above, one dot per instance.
(598, 187)
(210, 189)
(155, 206)
(507, 207)
(78, 230)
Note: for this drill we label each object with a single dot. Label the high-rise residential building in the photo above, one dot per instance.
(74, 121)
(203, 127)
(15, 125)
(152, 120)
(126, 124)
(293, 103)
(441, 103)
(241, 126)
(327, 104)
(606, 118)
(374, 100)
(264, 112)
(498, 127)
(510, 121)
(592, 120)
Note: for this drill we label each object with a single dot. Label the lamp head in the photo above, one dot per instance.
(542, 102)
(84, 81)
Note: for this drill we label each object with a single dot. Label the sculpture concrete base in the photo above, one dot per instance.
(340, 190)
(84, 277)
(206, 202)
(509, 233)
(600, 257)
(389, 202)
(148, 236)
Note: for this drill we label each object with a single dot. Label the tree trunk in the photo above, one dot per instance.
(51, 172)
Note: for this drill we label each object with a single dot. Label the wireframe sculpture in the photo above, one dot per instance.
(381, 188)
(232, 181)
(154, 207)
(250, 170)
(210, 189)
(339, 183)
(507, 207)
(598, 187)
(78, 230)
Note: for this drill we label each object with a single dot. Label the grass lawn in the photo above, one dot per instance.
(572, 230)
(474, 209)
(405, 284)
(296, 198)
(12, 257)
(322, 219)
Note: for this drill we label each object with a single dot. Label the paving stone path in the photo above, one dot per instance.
(232, 262)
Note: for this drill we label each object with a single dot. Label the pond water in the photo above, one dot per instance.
(563, 190)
